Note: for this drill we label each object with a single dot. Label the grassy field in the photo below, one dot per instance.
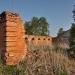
(47, 62)
(41, 61)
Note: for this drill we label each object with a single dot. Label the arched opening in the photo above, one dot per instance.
(26, 38)
(48, 38)
(33, 38)
(38, 38)
(44, 39)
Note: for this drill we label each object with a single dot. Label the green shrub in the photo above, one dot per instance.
(62, 73)
(8, 69)
(1, 61)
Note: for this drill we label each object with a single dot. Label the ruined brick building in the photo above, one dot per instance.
(13, 40)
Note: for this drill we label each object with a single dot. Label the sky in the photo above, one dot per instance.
(57, 12)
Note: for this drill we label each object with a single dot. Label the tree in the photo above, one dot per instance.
(60, 31)
(72, 41)
(37, 26)
(72, 37)
(31, 26)
(43, 26)
(74, 13)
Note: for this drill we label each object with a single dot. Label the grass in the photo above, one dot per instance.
(41, 60)
(47, 62)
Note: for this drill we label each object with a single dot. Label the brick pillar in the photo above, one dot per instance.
(12, 38)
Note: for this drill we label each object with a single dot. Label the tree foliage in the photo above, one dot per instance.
(37, 26)
(74, 13)
(60, 31)
(72, 41)
(72, 37)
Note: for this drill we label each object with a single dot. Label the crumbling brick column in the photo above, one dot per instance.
(12, 42)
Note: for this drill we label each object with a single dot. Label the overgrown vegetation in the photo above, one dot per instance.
(41, 62)
(71, 51)
(46, 62)
(60, 31)
(33, 47)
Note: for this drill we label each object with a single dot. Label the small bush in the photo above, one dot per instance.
(60, 72)
(8, 69)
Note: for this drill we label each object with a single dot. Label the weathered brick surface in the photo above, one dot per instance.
(13, 44)
(38, 40)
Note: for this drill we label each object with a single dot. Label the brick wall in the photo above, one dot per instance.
(38, 40)
(12, 42)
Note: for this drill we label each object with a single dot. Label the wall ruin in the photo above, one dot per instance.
(13, 40)
(38, 40)
(12, 44)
